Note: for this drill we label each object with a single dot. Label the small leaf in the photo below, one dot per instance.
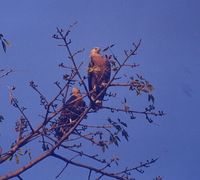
(123, 123)
(1, 118)
(29, 155)
(151, 98)
(132, 117)
(17, 159)
(20, 152)
(126, 52)
(10, 159)
(149, 119)
(7, 43)
(117, 138)
(109, 120)
(115, 141)
(106, 49)
(4, 46)
(125, 100)
(112, 45)
(150, 87)
(111, 138)
(118, 127)
(125, 134)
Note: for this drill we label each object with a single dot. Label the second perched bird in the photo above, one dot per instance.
(71, 111)
(99, 72)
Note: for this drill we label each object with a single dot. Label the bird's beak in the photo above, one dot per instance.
(99, 50)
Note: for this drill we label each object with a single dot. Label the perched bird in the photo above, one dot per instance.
(71, 112)
(99, 72)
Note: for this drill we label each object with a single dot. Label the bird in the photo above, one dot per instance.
(71, 111)
(99, 72)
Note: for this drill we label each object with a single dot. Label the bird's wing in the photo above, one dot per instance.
(70, 101)
(91, 76)
(107, 72)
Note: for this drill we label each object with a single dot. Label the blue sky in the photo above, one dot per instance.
(168, 57)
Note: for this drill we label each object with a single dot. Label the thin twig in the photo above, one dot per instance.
(62, 170)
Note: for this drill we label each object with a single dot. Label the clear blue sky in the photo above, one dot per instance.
(169, 58)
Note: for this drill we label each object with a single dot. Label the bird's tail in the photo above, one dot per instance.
(96, 105)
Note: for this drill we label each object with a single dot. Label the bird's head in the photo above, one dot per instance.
(75, 91)
(95, 50)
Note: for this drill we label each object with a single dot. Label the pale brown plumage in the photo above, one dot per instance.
(98, 76)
